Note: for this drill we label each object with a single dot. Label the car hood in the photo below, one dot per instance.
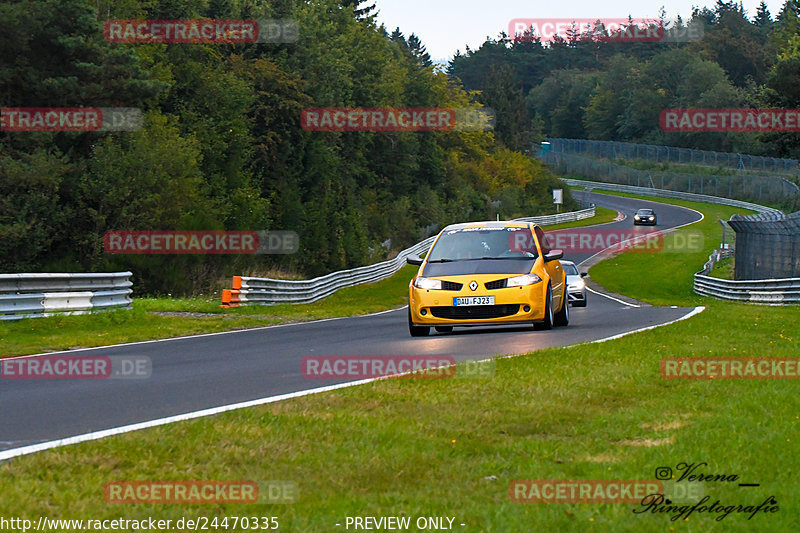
(495, 266)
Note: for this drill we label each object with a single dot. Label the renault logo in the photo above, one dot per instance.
(473, 285)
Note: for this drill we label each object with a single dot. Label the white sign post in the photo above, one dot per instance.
(558, 198)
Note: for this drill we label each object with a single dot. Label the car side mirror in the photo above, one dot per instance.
(584, 274)
(553, 255)
(414, 260)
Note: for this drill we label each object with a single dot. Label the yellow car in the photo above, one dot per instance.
(486, 273)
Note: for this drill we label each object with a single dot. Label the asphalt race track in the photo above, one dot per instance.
(195, 373)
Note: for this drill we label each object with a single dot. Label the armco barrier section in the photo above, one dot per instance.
(37, 295)
(265, 291)
(248, 290)
(763, 291)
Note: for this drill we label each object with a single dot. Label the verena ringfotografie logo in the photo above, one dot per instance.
(696, 120)
(200, 492)
(397, 119)
(728, 368)
(201, 242)
(76, 367)
(580, 240)
(612, 30)
(400, 366)
(70, 119)
(201, 31)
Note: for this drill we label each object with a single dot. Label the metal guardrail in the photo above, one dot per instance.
(265, 291)
(38, 295)
(764, 291)
(715, 256)
(559, 218)
(249, 290)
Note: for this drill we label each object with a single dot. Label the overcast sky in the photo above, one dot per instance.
(449, 25)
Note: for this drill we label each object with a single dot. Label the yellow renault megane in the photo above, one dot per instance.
(486, 273)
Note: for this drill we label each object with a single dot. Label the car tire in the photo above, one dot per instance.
(547, 323)
(562, 317)
(444, 329)
(417, 331)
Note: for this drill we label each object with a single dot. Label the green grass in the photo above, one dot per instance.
(431, 447)
(451, 447)
(723, 269)
(161, 318)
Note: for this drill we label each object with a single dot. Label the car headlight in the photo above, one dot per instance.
(427, 283)
(637, 217)
(525, 279)
(577, 285)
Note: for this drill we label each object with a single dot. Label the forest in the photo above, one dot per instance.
(221, 145)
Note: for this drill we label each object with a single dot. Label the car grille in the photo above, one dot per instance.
(451, 286)
(475, 311)
(497, 284)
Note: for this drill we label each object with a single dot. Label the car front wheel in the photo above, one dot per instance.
(547, 323)
(562, 317)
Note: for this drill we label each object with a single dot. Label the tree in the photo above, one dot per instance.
(362, 12)
(763, 17)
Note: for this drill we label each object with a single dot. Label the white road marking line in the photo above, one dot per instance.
(697, 310)
(611, 297)
(95, 435)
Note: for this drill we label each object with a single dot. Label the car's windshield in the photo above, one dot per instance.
(644, 212)
(569, 269)
(471, 244)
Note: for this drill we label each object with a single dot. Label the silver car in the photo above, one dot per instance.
(576, 287)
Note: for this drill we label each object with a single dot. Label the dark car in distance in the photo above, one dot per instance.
(645, 216)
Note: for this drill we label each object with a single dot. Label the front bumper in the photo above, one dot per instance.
(431, 307)
(577, 296)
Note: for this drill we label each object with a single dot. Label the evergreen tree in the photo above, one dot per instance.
(362, 12)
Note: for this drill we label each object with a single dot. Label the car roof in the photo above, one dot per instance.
(565, 262)
(645, 209)
(490, 224)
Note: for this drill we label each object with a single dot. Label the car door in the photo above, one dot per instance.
(553, 269)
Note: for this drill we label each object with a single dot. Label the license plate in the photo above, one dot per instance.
(473, 300)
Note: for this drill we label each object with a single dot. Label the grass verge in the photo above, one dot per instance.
(451, 447)
(723, 268)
